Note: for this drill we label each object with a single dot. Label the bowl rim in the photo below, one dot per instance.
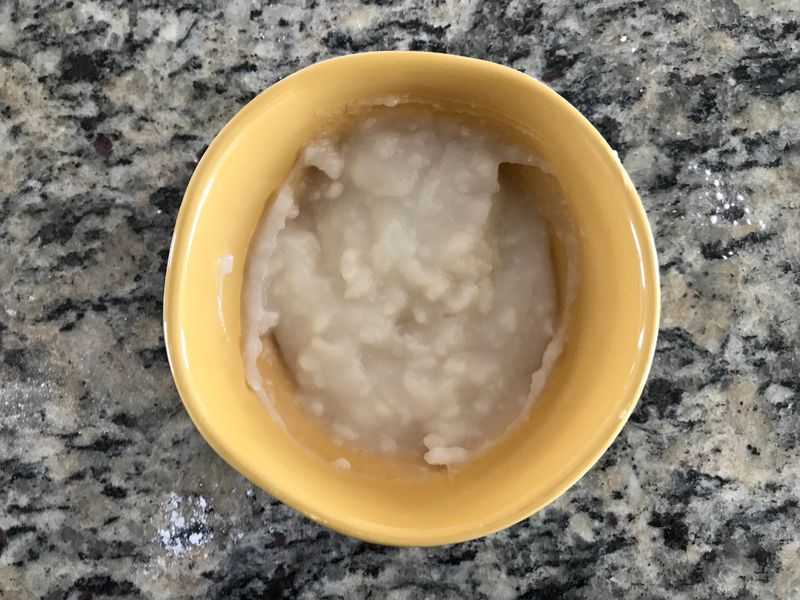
(351, 525)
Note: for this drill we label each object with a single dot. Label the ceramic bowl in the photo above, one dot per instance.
(611, 321)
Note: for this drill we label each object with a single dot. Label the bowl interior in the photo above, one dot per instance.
(594, 387)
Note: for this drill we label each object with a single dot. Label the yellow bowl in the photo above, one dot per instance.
(612, 330)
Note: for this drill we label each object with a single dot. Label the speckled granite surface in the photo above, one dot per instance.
(106, 489)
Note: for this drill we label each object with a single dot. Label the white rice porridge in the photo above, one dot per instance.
(411, 297)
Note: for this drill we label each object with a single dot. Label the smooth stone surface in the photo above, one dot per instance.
(107, 490)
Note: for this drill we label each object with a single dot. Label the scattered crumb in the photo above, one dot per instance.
(342, 463)
(726, 204)
(186, 524)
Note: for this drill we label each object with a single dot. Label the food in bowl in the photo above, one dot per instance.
(605, 250)
(411, 295)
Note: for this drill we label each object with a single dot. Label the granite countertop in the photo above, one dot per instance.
(106, 488)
